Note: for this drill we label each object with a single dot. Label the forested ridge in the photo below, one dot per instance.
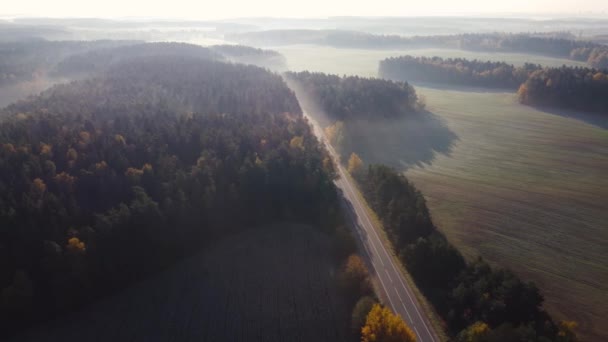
(476, 301)
(100, 60)
(29, 59)
(107, 180)
(573, 88)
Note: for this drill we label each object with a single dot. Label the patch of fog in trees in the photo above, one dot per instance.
(19, 91)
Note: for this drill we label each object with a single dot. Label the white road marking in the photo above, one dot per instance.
(388, 275)
(358, 209)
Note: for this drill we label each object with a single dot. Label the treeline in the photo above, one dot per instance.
(456, 71)
(594, 54)
(574, 88)
(353, 97)
(28, 59)
(571, 88)
(477, 302)
(107, 180)
(100, 60)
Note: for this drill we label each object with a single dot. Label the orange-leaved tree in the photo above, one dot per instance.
(384, 326)
(355, 165)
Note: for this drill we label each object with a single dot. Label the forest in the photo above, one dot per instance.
(573, 88)
(568, 88)
(100, 60)
(353, 97)
(476, 301)
(28, 59)
(108, 180)
(457, 71)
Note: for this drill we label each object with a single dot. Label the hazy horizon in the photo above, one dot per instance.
(189, 9)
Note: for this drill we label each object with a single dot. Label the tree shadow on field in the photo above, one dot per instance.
(596, 119)
(401, 143)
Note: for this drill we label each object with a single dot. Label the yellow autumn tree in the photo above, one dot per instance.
(72, 154)
(75, 245)
(522, 93)
(382, 325)
(355, 164)
(297, 142)
(9, 148)
(46, 150)
(599, 76)
(102, 165)
(335, 133)
(120, 140)
(566, 331)
(134, 174)
(354, 279)
(146, 168)
(476, 332)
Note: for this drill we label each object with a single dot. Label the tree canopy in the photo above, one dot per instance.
(382, 325)
(106, 180)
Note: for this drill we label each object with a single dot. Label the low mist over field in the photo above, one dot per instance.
(272, 171)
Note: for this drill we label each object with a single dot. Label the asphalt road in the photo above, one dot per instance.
(395, 291)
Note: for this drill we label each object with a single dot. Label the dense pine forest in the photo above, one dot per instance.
(477, 302)
(36, 58)
(107, 180)
(100, 60)
(28, 59)
(353, 97)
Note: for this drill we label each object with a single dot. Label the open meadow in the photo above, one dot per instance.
(365, 62)
(527, 190)
(523, 188)
(266, 284)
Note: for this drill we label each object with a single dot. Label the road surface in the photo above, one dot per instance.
(395, 291)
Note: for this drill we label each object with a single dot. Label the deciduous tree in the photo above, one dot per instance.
(382, 325)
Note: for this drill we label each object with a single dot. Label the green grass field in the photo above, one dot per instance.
(365, 62)
(527, 190)
(523, 188)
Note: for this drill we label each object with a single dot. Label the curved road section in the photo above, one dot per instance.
(395, 291)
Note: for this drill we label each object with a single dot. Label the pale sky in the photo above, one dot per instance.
(222, 9)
